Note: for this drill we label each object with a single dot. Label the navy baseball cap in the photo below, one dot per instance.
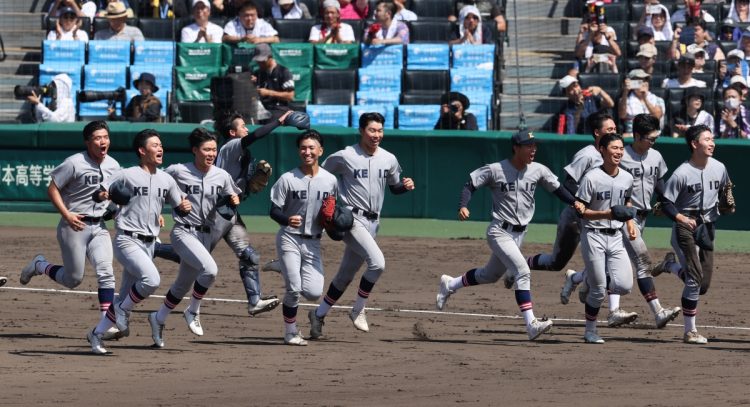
(645, 31)
(524, 137)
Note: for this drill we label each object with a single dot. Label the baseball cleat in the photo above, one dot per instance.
(273, 265)
(3, 280)
(508, 280)
(96, 343)
(663, 266)
(194, 322)
(294, 339)
(666, 315)
(694, 338)
(263, 305)
(122, 318)
(592, 337)
(620, 317)
(444, 291)
(112, 334)
(30, 269)
(568, 287)
(537, 328)
(157, 330)
(359, 320)
(316, 324)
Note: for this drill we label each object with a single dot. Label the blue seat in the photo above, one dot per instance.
(469, 80)
(418, 117)
(328, 115)
(380, 78)
(153, 53)
(48, 71)
(365, 97)
(427, 56)
(382, 55)
(109, 52)
(473, 56)
(385, 110)
(477, 97)
(104, 77)
(481, 112)
(64, 52)
(97, 109)
(163, 74)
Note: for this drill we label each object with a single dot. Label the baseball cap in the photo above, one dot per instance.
(736, 53)
(647, 50)
(331, 3)
(686, 59)
(566, 81)
(695, 50)
(205, 2)
(283, 2)
(524, 137)
(645, 31)
(738, 79)
(638, 74)
(116, 10)
(262, 52)
(67, 10)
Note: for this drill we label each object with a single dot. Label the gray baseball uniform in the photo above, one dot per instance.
(601, 243)
(298, 248)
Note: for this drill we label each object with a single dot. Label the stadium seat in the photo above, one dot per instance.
(334, 86)
(264, 8)
(386, 110)
(195, 112)
(433, 9)
(636, 10)
(621, 30)
(64, 52)
(417, 117)
(336, 56)
(153, 53)
(302, 83)
(157, 28)
(241, 55)
(676, 95)
(430, 31)
(358, 26)
(312, 6)
(193, 83)
(199, 54)
(420, 98)
(425, 86)
(373, 55)
(603, 80)
(294, 30)
(385, 79)
(163, 74)
(481, 112)
(328, 115)
(473, 56)
(48, 70)
(615, 12)
(660, 67)
(365, 97)
(109, 52)
(466, 80)
(427, 56)
(297, 55)
(104, 77)
(483, 97)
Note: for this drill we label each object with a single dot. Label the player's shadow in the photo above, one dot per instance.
(260, 341)
(35, 336)
(451, 341)
(40, 353)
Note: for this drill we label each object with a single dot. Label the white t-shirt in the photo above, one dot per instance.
(405, 15)
(68, 35)
(674, 83)
(190, 33)
(261, 29)
(346, 33)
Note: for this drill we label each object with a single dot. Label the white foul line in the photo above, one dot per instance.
(407, 311)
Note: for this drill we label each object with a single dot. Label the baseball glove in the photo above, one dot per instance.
(656, 209)
(726, 199)
(119, 193)
(327, 210)
(260, 177)
(623, 213)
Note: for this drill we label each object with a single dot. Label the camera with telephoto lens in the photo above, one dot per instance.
(22, 92)
(117, 95)
(454, 108)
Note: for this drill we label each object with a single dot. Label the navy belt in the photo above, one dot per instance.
(141, 237)
(367, 214)
(513, 228)
(610, 232)
(91, 219)
(197, 228)
(318, 236)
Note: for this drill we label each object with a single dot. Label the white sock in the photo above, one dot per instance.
(456, 283)
(322, 309)
(689, 324)
(614, 302)
(654, 305)
(674, 268)
(40, 266)
(291, 328)
(578, 277)
(195, 305)
(359, 305)
(162, 314)
(127, 304)
(528, 316)
(103, 326)
(590, 326)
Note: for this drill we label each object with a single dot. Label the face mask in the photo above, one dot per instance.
(732, 103)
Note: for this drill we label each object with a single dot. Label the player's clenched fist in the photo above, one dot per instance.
(185, 205)
(463, 213)
(408, 184)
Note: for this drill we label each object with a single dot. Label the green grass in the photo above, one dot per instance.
(657, 238)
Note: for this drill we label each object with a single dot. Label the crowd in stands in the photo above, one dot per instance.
(256, 24)
(682, 61)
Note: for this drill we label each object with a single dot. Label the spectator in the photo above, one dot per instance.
(62, 105)
(581, 104)
(289, 10)
(331, 30)
(703, 41)
(684, 77)
(385, 30)
(657, 17)
(356, 10)
(101, 7)
(274, 82)
(453, 114)
(164, 9)
(735, 66)
(201, 30)
(56, 9)
(645, 35)
(249, 27)
(700, 57)
(67, 27)
(403, 14)
(647, 57)
(592, 34)
(470, 29)
(144, 107)
(117, 16)
(739, 12)
(691, 113)
(692, 9)
(735, 121)
(602, 60)
(486, 8)
(740, 84)
(637, 99)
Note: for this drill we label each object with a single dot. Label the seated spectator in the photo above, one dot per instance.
(740, 84)
(289, 10)
(702, 40)
(356, 10)
(144, 107)
(592, 34)
(62, 107)
(735, 120)
(331, 30)
(453, 115)
(67, 27)
(470, 29)
(164, 9)
(117, 16)
(486, 8)
(402, 14)
(101, 7)
(645, 35)
(693, 10)
(647, 57)
(739, 12)
(602, 60)
(202, 30)
(581, 104)
(700, 57)
(735, 66)
(691, 113)
(385, 30)
(684, 77)
(274, 82)
(656, 16)
(56, 8)
(637, 99)
(249, 27)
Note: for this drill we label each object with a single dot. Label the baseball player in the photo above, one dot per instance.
(137, 226)
(81, 231)
(647, 167)
(296, 199)
(192, 237)
(513, 183)
(365, 169)
(691, 200)
(601, 203)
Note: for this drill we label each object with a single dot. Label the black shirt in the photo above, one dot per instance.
(449, 122)
(280, 80)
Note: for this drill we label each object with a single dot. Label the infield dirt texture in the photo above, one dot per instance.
(474, 353)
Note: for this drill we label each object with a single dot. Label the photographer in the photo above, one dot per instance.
(637, 99)
(144, 107)
(62, 108)
(453, 114)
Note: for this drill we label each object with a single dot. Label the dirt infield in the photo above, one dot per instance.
(412, 356)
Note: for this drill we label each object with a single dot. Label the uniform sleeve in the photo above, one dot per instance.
(175, 196)
(481, 176)
(548, 179)
(662, 168)
(230, 186)
(394, 175)
(585, 190)
(673, 188)
(117, 176)
(63, 173)
(278, 193)
(579, 165)
(335, 163)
